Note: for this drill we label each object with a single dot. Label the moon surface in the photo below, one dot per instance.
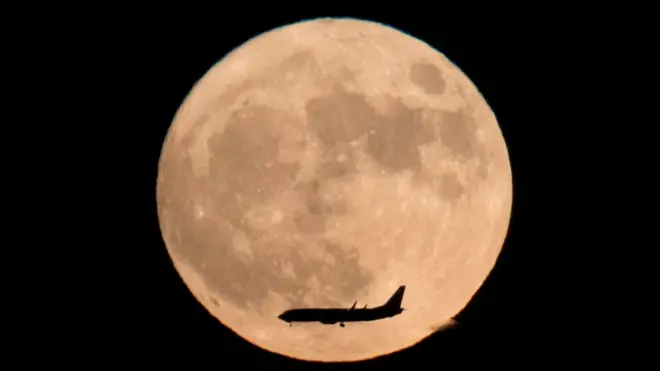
(329, 161)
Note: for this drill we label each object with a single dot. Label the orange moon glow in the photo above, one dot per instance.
(330, 161)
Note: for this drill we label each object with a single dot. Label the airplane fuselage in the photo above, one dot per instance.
(340, 315)
(337, 315)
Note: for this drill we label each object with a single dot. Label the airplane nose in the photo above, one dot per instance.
(281, 316)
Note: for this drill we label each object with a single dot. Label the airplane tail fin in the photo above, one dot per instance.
(396, 299)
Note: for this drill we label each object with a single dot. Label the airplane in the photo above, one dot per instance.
(330, 316)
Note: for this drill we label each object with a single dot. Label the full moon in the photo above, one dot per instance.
(330, 161)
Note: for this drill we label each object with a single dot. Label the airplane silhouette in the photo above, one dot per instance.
(330, 316)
